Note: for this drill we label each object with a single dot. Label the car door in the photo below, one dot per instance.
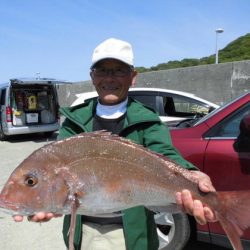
(148, 98)
(228, 168)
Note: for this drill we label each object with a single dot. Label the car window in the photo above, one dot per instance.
(229, 127)
(176, 106)
(148, 100)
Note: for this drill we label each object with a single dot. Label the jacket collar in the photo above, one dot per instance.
(83, 114)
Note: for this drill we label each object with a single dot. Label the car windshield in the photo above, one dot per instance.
(216, 111)
(208, 115)
(197, 120)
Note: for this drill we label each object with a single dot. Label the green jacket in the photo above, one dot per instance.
(143, 126)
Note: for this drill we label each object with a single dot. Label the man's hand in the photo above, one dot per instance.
(201, 213)
(39, 217)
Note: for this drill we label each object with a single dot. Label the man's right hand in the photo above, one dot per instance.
(39, 217)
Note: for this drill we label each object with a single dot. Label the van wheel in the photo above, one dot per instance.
(3, 137)
(49, 134)
(174, 230)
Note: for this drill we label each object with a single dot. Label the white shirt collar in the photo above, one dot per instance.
(111, 111)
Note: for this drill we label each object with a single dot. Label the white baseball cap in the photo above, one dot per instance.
(113, 49)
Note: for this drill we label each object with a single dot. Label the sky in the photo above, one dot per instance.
(56, 38)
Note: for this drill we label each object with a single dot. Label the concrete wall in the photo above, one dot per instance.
(217, 83)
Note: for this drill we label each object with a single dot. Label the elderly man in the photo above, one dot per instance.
(113, 73)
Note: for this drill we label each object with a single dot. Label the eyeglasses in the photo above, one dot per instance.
(118, 72)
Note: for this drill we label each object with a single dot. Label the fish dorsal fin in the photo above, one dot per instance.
(98, 133)
(105, 135)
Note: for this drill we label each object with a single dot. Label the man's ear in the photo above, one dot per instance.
(91, 75)
(133, 79)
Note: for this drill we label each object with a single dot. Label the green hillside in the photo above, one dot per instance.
(237, 50)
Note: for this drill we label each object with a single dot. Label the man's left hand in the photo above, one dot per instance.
(201, 212)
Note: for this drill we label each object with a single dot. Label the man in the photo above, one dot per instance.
(112, 73)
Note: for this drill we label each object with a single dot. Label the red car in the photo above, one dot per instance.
(219, 144)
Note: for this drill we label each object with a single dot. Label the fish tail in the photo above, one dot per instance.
(234, 215)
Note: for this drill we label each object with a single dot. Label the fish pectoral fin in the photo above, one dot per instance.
(80, 194)
(74, 207)
(170, 208)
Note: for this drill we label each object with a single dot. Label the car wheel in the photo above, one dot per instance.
(3, 137)
(173, 230)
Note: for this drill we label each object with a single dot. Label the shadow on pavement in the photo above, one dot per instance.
(38, 137)
(196, 245)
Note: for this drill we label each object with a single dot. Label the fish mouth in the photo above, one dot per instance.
(6, 205)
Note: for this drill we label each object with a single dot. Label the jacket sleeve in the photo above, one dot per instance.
(68, 129)
(157, 138)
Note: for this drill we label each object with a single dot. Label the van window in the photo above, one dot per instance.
(33, 104)
(2, 97)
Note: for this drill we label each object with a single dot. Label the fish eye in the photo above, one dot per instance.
(31, 180)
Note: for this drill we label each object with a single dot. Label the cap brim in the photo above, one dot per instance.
(114, 58)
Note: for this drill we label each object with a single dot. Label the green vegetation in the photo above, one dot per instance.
(237, 50)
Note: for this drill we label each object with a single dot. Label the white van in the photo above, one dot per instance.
(29, 105)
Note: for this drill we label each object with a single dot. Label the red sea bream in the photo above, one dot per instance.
(98, 174)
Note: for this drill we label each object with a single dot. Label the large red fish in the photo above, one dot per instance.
(98, 174)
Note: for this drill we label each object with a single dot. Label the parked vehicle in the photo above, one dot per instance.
(219, 145)
(29, 106)
(172, 106)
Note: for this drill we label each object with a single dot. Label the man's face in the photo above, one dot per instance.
(112, 79)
